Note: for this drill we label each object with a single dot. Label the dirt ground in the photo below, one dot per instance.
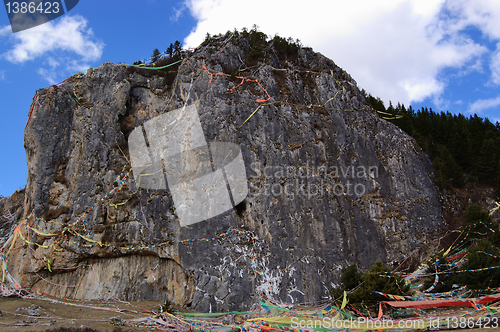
(39, 315)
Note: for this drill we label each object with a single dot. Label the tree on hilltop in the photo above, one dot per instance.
(170, 50)
(156, 55)
(177, 48)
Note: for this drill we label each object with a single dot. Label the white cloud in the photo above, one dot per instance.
(2, 75)
(49, 75)
(395, 49)
(75, 65)
(495, 66)
(418, 89)
(483, 104)
(69, 34)
(52, 62)
(177, 12)
(60, 42)
(477, 66)
(5, 30)
(482, 14)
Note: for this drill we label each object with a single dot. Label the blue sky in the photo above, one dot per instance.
(439, 54)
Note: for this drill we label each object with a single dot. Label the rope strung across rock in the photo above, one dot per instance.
(243, 80)
(61, 239)
(68, 228)
(154, 68)
(459, 256)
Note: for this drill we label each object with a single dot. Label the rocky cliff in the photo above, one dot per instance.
(324, 183)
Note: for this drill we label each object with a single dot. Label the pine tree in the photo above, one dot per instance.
(378, 279)
(155, 55)
(170, 50)
(487, 162)
(452, 172)
(207, 39)
(479, 257)
(350, 278)
(439, 177)
(177, 48)
(460, 147)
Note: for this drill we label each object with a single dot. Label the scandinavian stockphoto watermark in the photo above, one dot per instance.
(363, 323)
(24, 15)
(311, 180)
(205, 179)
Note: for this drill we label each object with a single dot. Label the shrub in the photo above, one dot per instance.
(361, 287)
(479, 257)
(285, 48)
(257, 45)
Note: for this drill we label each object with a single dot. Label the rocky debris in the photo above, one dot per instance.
(33, 313)
(23, 323)
(456, 200)
(329, 184)
(32, 310)
(29, 313)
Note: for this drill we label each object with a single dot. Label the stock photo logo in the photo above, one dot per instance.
(204, 179)
(24, 15)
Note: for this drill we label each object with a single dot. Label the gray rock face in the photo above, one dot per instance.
(329, 184)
